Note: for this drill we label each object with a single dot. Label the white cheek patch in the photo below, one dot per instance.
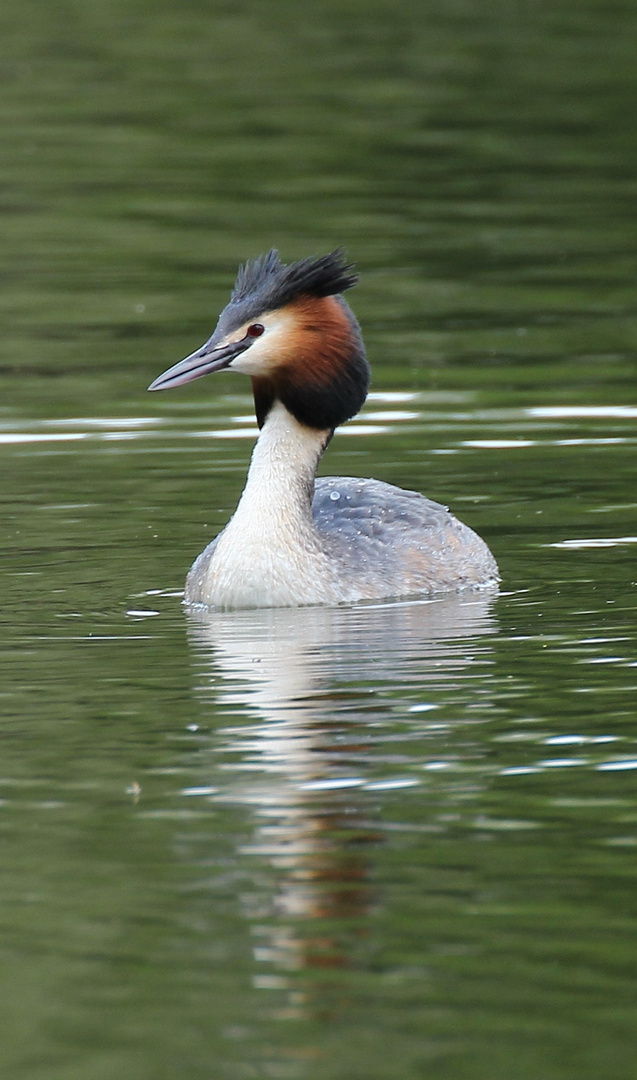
(264, 355)
(251, 362)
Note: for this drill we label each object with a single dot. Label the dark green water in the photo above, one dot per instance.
(393, 841)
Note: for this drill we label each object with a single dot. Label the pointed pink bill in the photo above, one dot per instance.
(202, 362)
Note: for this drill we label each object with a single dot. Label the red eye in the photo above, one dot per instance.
(256, 329)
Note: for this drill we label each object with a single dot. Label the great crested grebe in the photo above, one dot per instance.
(294, 539)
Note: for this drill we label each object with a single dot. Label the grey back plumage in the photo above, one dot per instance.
(401, 541)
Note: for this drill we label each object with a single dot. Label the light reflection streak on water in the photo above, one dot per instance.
(584, 412)
(371, 421)
(595, 542)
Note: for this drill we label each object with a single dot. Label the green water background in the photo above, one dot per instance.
(364, 844)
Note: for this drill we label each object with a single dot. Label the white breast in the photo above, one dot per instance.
(269, 554)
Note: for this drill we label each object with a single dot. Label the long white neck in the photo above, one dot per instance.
(270, 553)
(281, 475)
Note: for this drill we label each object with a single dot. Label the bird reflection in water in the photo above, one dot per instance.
(314, 683)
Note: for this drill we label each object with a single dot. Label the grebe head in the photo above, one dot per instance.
(288, 327)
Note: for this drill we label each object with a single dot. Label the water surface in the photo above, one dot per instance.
(397, 839)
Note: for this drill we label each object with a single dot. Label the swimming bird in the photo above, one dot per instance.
(294, 539)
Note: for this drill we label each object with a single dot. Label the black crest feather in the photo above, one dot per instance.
(271, 284)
